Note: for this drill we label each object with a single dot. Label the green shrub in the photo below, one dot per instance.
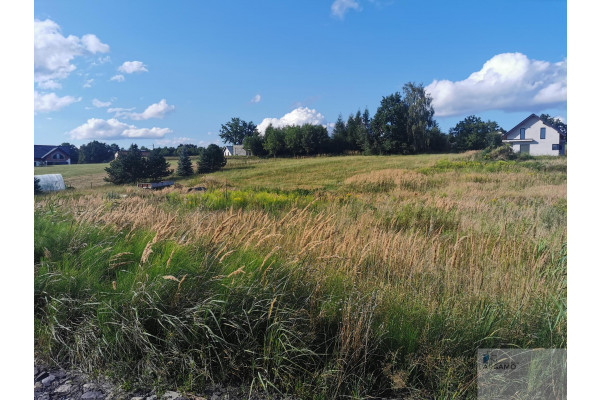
(504, 152)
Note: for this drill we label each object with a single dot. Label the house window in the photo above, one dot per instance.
(542, 133)
(556, 147)
(58, 156)
(522, 133)
(524, 148)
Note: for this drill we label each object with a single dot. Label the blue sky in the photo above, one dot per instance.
(168, 72)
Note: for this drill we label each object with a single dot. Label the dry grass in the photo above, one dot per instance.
(490, 244)
(440, 262)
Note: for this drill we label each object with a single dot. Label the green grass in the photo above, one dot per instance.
(79, 176)
(314, 173)
(327, 277)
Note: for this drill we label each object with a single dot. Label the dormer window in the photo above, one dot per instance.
(522, 133)
(542, 133)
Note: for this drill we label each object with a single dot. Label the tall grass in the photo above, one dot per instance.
(367, 289)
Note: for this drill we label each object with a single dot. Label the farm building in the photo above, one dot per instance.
(50, 155)
(535, 137)
(51, 182)
(236, 150)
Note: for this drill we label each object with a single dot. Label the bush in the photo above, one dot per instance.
(504, 153)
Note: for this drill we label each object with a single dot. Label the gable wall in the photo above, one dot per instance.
(49, 158)
(537, 146)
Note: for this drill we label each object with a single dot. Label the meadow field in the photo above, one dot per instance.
(322, 277)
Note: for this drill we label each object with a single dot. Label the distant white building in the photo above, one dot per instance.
(236, 150)
(535, 137)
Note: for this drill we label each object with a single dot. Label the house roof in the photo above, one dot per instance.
(528, 118)
(41, 150)
(230, 148)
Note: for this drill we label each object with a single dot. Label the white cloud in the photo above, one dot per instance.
(508, 81)
(255, 99)
(51, 102)
(54, 52)
(100, 104)
(118, 78)
(156, 110)
(88, 83)
(339, 8)
(49, 84)
(94, 45)
(96, 128)
(299, 116)
(175, 141)
(129, 67)
(101, 60)
(121, 112)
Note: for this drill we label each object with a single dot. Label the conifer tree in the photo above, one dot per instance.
(184, 165)
(211, 159)
(156, 167)
(127, 168)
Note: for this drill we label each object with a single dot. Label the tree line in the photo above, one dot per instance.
(402, 124)
(98, 152)
(131, 166)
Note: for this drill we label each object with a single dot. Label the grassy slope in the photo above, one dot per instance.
(398, 270)
(282, 173)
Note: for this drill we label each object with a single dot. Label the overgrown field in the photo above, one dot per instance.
(329, 277)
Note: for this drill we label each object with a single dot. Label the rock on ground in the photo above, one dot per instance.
(58, 384)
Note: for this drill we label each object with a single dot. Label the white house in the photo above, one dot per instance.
(236, 150)
(534, 136)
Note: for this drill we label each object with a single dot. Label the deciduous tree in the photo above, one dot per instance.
(255, 144)
(95, 152)
(73, 152)
(236, 130)
(473, 133)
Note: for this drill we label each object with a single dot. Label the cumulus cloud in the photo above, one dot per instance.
(508, 81)
(299, 116)
(54, 52)
(129, 67)
(100, 104)
(339, 8)
(255, 99)
(88, 83)
(51, 102)
(96, 128)
(118, 78)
